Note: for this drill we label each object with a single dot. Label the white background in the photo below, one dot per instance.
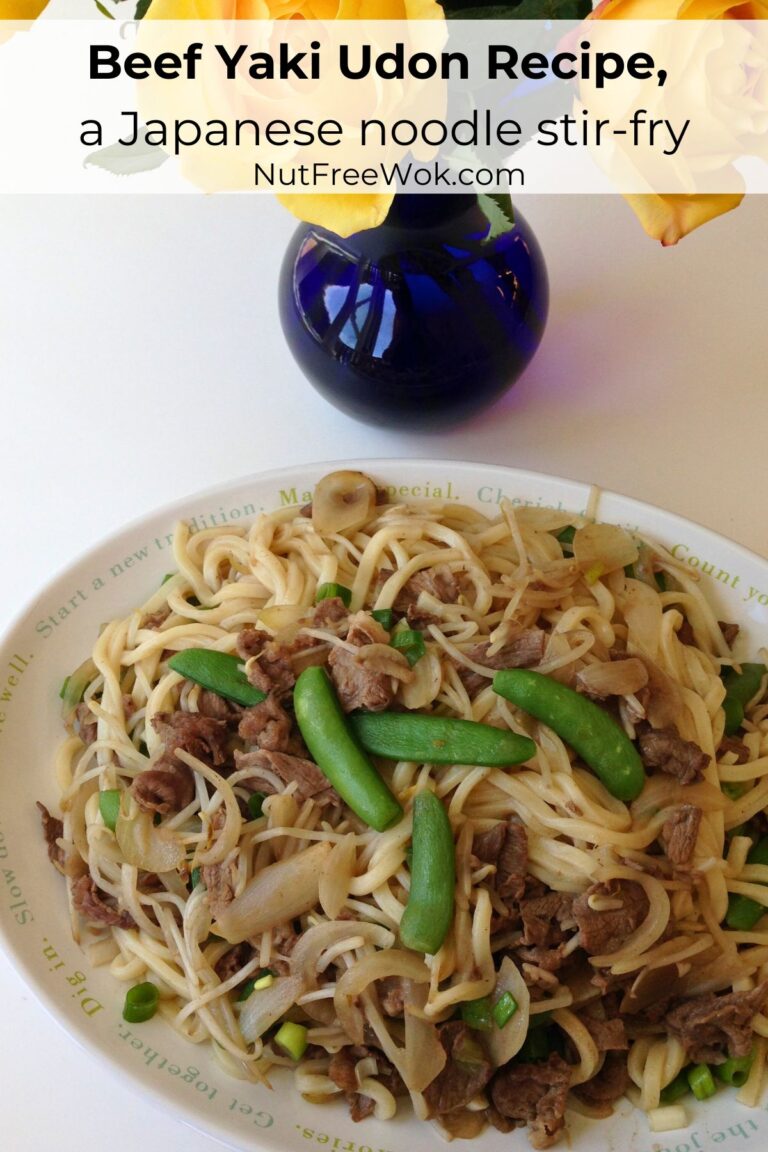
(141, 360)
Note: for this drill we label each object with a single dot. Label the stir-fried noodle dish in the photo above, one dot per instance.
(417, 802)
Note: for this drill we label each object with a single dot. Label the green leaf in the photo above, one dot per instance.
(127, 159)
(141, 9)
(497, 209)
(104, 11)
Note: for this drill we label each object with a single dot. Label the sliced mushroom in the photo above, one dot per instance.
(343, 501)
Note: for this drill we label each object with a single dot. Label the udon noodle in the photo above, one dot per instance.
(605, 921)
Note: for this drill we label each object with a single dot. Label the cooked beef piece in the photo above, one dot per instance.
(499, 1122)
(96, 906)
(154, 620)
(166, 789)
(232, 961)
(85, 723)
(663, 748)
(342, 1071)
(267, 725)
(391, 992)
(738, 747)
(610, 1083)
(549, 959)
(310, 781)
(467, 1070)
(730, 632)
(53, 830)
(202, 736)
(679, 833)
(330, 611)
(711, 1028)
(219, 880)
(363, 679)
(606, 931)
(546, 918)
(534, 1094)
(506, 846)
(439, 582)
(609, 1035)
(217, 708)
(274, 669)
(284, 940)
(523, 651)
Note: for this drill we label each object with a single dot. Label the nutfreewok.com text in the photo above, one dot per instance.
(436, 176)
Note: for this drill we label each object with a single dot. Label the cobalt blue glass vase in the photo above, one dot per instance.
(422, 321)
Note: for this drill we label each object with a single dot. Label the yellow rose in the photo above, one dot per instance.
(343, 214)
(670, 217)
(18, 10)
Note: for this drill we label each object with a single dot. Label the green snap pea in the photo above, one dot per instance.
(743, 912)
(429, 912)
(590, 731)
(337, 753)
(219, 672)
(740, 687)
(439, 739)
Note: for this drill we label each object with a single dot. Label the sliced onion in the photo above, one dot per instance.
(277, 893)
(74, 688)
(279, 616)
(613, 677)
(424, 1056)
(424, 684)
(384, 660)
(504, 1043)
(602, 548)
(338, 869)
(665, 698)
(315, 940)
(343, 501)
(641, 607)
(391, 962)
(265, 1006)
(146, 846)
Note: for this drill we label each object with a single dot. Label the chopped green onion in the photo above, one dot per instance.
(565, 536)
(733, 789)
(256, 804)
(477, 1014)
(140, 1003)
(329, 591)
(292, 1038)
(168, 576)
(263, 979)
(504, 1009)
(629, 571)
(661, 581)
(536, 1046)
(735, 1070)
(63, 689)
(411, 643)
(740, 687)
(109, 806)
(676, 1089)
(385, 617)
(195, 877)
(744, 912)
(701, 1081)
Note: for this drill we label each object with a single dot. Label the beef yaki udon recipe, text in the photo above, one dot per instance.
(436, 810)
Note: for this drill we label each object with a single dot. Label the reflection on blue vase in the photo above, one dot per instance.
(424, 320)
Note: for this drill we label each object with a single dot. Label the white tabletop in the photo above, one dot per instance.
(142, 360)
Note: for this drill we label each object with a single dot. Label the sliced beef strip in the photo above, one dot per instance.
(665, 749)
(360, 679)
(522, 651)
(391, 992)
(606, 931)
(219, 880)
(217, 708)
(609, 1083)
(738, 747)
(53, 830)
(168, 786)
(534, 1094)
(439, 582)
(546, 919)
(96, 907)
(730, 632)
(330, 611)
(232, 961)
(342, 1071)
(679, 833)
(711, 1028)
(608, 1034)
(506, 846)
(466, 1072)
(549, 959)
(310, 781)
(267, 725)
(274, 670)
